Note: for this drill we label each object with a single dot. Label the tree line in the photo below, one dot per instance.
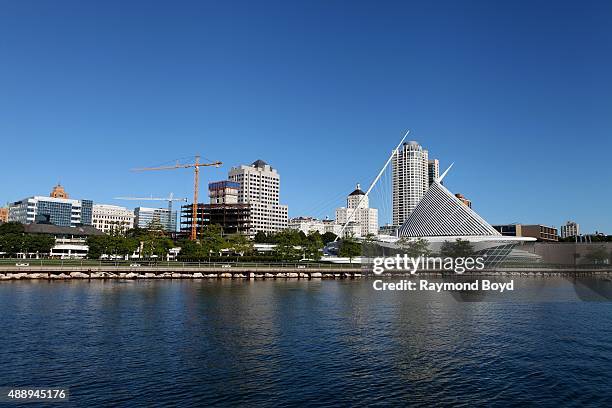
(14, 240)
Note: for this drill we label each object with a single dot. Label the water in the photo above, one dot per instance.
(289, 343)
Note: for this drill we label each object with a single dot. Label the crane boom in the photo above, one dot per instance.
(196, 169)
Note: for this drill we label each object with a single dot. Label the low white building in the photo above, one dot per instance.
(307, 225)
(70, 242)
(358, 211)
(108, 218)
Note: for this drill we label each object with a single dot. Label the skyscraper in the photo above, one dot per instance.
(410, 179)
(433, 170)
(260, 187)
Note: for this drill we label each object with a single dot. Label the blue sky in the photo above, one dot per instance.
(518, 94)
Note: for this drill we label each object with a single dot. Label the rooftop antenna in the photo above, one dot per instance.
(352, 214)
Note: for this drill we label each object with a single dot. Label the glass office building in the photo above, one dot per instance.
(58, 211)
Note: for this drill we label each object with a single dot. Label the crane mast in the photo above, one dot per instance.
(196, 183)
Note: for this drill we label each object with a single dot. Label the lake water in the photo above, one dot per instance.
(320, 343)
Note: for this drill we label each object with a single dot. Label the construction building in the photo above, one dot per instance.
(223, 210)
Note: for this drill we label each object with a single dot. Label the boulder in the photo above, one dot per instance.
(303, 275)
(131, 275)
(225, 275)
(281, 275)
(316, 275)
(149, 275)
(269, 275)
(293, 275)
(198, 275)
(79, 275)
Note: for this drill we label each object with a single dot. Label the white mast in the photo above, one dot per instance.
(350, 218)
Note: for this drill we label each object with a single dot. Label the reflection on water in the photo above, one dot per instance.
(137, 343)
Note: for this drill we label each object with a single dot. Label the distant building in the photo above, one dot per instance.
(352, 229)
(537, 231)
(464, 200)
(4, 213)
(112, 218)
(358, 210)
(570, 229)
(260, 187)
(70, 242)
(57, 209)
(387, 229)
(145, 216)
(433, 167)
(307, 225)
(411, 170)
(223, 210)
(58, 192)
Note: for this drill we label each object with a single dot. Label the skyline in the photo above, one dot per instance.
(517, 95)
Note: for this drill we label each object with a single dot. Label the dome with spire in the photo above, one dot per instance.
(357, 191)
(58, 192)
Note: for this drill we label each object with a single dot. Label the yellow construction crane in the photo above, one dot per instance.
(196, 168)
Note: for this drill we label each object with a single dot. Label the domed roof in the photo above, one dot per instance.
(357, 191)
(259, 163)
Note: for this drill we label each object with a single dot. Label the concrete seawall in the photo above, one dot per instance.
(9, 272)
(126, 272)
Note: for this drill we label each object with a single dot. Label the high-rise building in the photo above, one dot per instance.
(410, 179)
(358, 210)
(223, 210)
(56, 209)
(433, 170)
(260, 187)
(145, 216)
(570, 229)
(112, 218)
(4, 212)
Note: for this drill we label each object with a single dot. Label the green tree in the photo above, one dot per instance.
(240, 244)
(328, 237)
(39, 243)
(191, 250)
(414, 247)
(349, 248)
(287, 242)
(212, 239)
(11, 228)
(458, 249)
(312, 246)
(261, 237)
(9, 244)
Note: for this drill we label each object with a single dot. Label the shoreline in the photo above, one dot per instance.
(82, 273)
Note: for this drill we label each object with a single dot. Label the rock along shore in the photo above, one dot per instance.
(66, 273)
